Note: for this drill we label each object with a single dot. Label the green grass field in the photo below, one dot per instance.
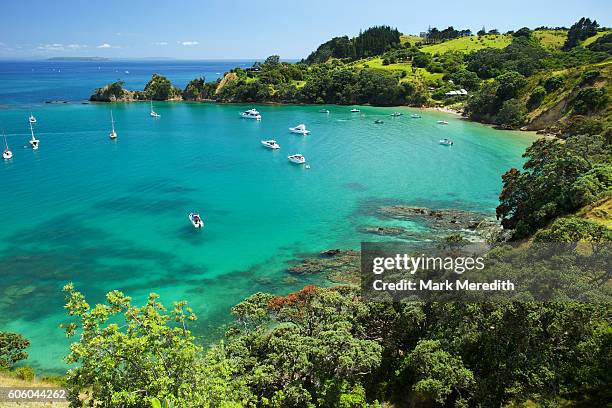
(551, 39)
(469, 44)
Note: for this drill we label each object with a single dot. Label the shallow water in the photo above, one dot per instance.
(113, 215)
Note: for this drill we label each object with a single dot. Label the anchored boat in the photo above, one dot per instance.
(297, 158)
(196, 220)
(34, 142)
(270, 144)
(251, 114)
(299, 129)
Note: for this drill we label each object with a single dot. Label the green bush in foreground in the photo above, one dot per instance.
(12, 349)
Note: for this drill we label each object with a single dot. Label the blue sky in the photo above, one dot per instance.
(249, 29)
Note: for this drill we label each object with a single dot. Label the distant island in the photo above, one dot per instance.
(78, 59)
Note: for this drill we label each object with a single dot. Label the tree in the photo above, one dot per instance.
(12, 349)
(590, 99)
(272, 60)
(436, 375)
(580, 30)
(127, 355)
(558, 179)
(574, 229)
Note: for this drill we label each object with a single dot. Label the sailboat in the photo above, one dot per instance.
(34, 141)
(153, 113)
(32, 118)
(113, 134)
(7, 154)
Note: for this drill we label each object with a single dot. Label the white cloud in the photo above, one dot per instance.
(162, 43)
(105, 45)
(76, 46)
(51, 47)
(187, 43)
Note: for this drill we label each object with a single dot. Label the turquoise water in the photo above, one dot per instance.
(113, 215)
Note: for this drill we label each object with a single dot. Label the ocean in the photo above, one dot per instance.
(113, 214)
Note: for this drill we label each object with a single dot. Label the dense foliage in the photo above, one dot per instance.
(373, 41)
(559, 178)
(12, 349)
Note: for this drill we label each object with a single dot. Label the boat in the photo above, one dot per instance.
(113, 134)
(355, 110)
(379, 121)
(153, 113)
(396, 114)
(270, 144)
(443, 122)
(323, 110)
(297, 159)
(196, 220)
(299, 129)
(32, 118)
(7, 154)
(251, 114)
(415, 116)
(446, 142)
(33, 142)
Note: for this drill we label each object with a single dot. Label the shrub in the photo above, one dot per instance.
(24, 373)
(536, 97)
(12, 349)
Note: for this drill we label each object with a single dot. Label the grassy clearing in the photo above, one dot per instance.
(551, 39)
(600, 212)
(412, 39)
(594, 38)
(469, 44)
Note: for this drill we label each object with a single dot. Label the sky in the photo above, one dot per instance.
(190, 29)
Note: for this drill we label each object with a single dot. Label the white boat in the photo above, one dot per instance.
(297, 159)
(33, 142)
(153, 113)
(415, 116)
(299, 129)
(323, 110)
(270, 144)
(446, 142)
(396, 114)
(251, 114)
(196, 220)
(443, 122)
(113, 134)
(355, 110)
(32, 118)
(7, 154)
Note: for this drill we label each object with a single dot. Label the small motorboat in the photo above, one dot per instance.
(396, 114)
(7, 154)
(415, 116)
(196, 220)
(270, 144)
(34, 142)
(297, 159)
(323, 110)
(355, 110)
(379, 122)
(446, 142)
(251, 114)
(299, 129)
(443, 122)
(32, 118)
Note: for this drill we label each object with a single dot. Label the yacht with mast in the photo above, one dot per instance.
(113, 134)
(34, 141)
(7, 154)
(153, 113)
